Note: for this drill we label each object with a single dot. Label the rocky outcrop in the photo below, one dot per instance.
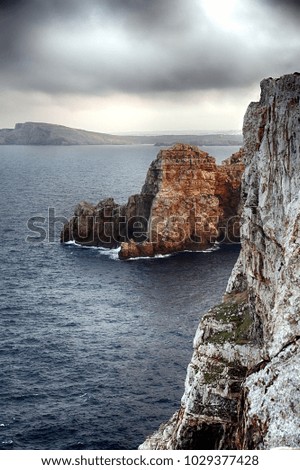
(242, 389)
(186, 203)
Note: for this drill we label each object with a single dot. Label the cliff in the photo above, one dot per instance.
(187, 203)
(242, 389)
(40, 133)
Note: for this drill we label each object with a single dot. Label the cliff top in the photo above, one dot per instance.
(181, 151)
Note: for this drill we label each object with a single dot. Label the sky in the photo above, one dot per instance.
(142, 65)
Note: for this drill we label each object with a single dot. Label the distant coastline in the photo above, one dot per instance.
(39, 133)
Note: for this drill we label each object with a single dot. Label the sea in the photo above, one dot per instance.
(93, 350)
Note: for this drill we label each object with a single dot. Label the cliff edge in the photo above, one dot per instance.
(242, 389)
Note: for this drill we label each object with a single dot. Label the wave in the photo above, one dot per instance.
(208, 250)
(137, 258)
(216, 247)
(112, 253)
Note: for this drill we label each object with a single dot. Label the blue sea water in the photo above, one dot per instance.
(93, 350)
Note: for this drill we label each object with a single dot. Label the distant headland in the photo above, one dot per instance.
(39, 133)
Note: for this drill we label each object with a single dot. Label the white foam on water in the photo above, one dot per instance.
(112, 253)
(216, 247)
(208, 250)
(150, 257)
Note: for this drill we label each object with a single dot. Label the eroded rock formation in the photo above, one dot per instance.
(187, 203)
(242, 389)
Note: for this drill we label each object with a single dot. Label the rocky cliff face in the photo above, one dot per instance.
(242, 389)
(186, 203)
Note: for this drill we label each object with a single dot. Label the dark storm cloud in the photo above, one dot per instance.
(134, 46)
(285, 8)
(285, 3)
(6, 5)
(19, 18)
(140, 13)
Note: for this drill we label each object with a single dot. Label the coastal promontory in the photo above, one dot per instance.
(242, 389)
(42, 133)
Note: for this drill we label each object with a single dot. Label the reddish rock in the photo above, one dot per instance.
(228, 189)
(186, 203)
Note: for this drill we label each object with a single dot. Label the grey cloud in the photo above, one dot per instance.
(19, 20)
(285, 6)
(286, 3)
(154, 14)
(6, 5)
(186, 70)
(20, 17)
(139, 12)
(169, 49)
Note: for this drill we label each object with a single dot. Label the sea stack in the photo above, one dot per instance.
(242, 389)
(187, 203)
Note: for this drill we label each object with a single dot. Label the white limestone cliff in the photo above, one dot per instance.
(242, 389)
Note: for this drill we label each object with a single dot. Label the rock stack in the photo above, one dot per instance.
(187, 203)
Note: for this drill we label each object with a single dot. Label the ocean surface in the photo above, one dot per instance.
(93, 350)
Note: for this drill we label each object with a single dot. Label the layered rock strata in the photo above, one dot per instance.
(187, 203)
(242, 389)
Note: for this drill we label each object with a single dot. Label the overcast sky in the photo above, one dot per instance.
(135, 65)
